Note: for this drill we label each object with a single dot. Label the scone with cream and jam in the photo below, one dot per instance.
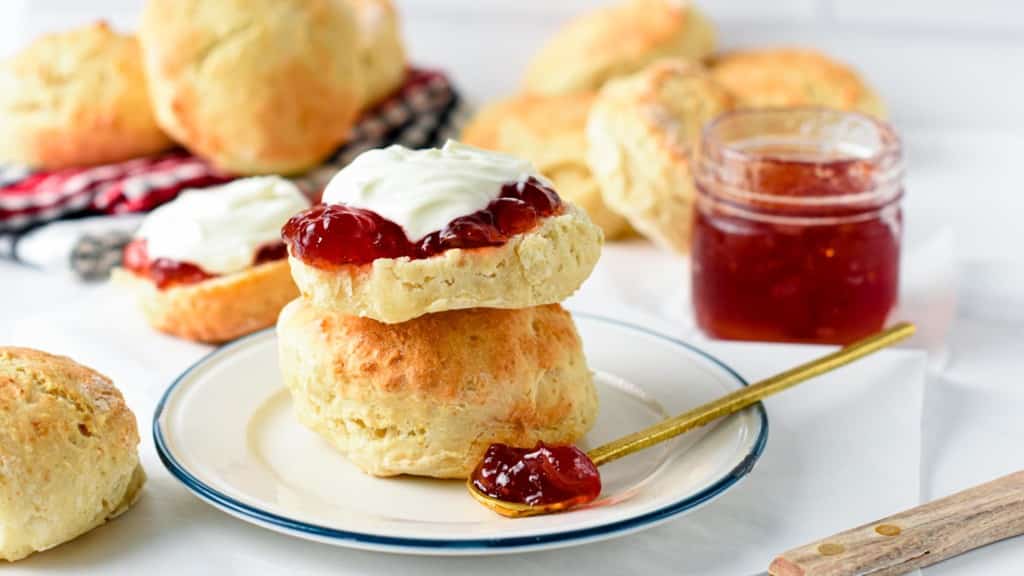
(210, 265)
(402, 233)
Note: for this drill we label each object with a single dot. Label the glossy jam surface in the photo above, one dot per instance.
(334, 234)
(165, 273)
(544, 474)
(770, 268)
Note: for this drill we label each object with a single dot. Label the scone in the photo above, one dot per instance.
(210, 266)
(404, 233)
(428, 396)
(790, 77)
(549, 131)
(68, 451)
(642, 134)
(255, 86)
(76, 98)
(617, 40)
(381, 51)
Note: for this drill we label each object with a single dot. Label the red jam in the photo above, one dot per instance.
(329, 235)
(544, 474)
(165, 272)
(796, 238)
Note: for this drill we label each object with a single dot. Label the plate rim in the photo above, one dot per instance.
(321, 533)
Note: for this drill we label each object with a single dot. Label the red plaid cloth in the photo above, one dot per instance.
(420, 114)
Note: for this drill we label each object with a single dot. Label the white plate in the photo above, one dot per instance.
(225, 429)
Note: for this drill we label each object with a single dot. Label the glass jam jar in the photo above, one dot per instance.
(797, 226)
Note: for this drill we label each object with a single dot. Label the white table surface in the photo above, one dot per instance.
(954, 88)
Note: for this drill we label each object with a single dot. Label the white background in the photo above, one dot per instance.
(953, 76)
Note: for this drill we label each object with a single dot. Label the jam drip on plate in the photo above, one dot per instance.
(544, 474)
(334, 234)
(165, 272)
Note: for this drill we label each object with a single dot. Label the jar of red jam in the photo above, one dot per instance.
(797, 226)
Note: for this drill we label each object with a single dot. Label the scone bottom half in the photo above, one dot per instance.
(68, 445)
(428, 396)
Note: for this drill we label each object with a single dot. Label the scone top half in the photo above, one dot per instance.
(402, 233)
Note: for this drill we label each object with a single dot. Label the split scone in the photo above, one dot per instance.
(210, 265)
(549, 131)
(402, 233)
(792, 77)
(77, 98)
(616, 40)
(68, 451)
(642, 133)
(428, 396)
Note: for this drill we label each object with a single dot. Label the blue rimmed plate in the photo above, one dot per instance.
(225, 429)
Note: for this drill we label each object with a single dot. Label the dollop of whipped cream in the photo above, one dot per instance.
(423, 190)
(220, 228)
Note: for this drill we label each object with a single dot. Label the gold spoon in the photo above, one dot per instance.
(697, 417)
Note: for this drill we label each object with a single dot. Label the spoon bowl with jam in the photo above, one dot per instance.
(544, 479)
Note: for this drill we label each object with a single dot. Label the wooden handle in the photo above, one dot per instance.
(917, 537)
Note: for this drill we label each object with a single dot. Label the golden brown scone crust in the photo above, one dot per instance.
(428, 396)
(76, 98)
(542, 266)
(642, 133)
(381, 51)
(549, 131)
(617, 40)
(791, 77)
(68, 451)
(218, 309)
(256, 86)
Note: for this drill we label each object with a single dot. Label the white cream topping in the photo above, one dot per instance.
(423, 190)
(220, 229)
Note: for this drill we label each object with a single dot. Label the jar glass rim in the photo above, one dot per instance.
(885, 151)
(887, 137)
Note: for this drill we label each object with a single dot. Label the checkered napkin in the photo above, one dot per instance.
(423, 113)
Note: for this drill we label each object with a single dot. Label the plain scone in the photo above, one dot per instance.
(214, 310)
(68, 451)
(255, 86)
(381, 52)
(617, 40)
(542, 266)
(550, 132)
(790, 77)
(427, 397)
(642, 133)
(76, 98)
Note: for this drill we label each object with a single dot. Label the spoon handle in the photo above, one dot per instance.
(747, 396)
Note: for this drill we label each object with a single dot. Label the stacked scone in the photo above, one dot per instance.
(429, 325)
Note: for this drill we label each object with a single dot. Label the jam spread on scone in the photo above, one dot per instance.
(337, 234)
(166, 272)
(399, 203)
(544, 474)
